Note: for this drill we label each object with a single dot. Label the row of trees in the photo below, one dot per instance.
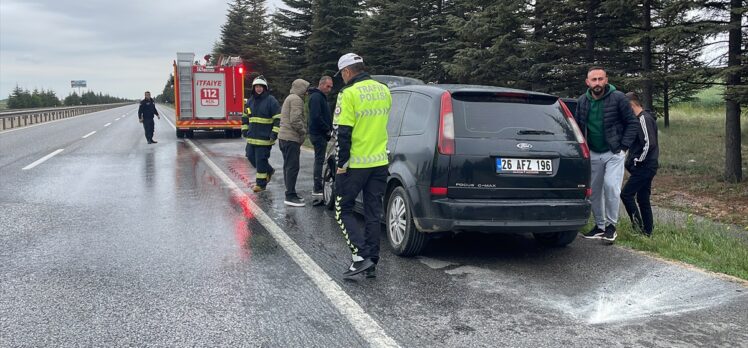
(91, 98)
(665, 49)
(21, 98)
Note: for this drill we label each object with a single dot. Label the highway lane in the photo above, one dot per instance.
(116, 242)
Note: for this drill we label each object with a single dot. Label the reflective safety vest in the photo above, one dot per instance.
(365, 106)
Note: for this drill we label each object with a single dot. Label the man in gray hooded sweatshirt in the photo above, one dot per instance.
(292, 134)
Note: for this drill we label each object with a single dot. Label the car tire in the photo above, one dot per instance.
(404, 237)
(328, 188)
(556, 239)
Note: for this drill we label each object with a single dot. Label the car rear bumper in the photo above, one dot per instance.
(504, 215)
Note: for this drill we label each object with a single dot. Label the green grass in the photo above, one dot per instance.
(703, 244)
(694, 142)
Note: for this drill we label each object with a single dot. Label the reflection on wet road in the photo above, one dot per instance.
(116, 242)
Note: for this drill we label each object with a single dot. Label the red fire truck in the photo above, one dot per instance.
(208, 97)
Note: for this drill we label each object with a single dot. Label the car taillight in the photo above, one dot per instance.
(446, 143)
(588, 193)
(438, 191)
(577, 132)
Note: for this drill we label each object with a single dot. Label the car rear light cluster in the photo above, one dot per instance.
(446, 143)
(438, 191)
(577, 132)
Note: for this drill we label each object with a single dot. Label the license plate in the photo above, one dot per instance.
(524, 166)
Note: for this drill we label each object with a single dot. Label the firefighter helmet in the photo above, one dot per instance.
(260, 80)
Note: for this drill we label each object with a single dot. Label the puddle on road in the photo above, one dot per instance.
(631, 295)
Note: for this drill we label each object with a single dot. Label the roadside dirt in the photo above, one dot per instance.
(726, 203)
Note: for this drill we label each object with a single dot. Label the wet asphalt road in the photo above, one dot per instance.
(113, 242)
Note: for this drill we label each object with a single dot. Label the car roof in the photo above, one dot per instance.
(461, 88)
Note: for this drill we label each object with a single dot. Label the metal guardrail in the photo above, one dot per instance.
(25, 117)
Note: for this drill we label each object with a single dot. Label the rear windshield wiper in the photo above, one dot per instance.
(534, 131)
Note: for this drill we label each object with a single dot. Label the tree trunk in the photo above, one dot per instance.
(733, 158)
(589, 27)
(666, 102)
(647, 57)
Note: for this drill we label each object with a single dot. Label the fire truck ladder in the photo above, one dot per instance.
(184, 69)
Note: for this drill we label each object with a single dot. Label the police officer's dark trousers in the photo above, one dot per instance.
(362, 242)
(148, 126)
(259, 156)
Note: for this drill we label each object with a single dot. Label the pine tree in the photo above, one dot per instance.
(294, 26)
(490, 48)
(234, 31)
(333, 29)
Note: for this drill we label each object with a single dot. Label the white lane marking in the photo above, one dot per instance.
(116, 119)
(88, 135)
(366, 326)
(41, 160)
(108, 124)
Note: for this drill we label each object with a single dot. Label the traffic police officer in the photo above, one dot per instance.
(360, 121)
(260, 125)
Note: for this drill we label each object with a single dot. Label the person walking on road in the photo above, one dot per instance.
(609, 124)
(360, 121)
(320, 128)
(641, 163)
(146, 111)
(292, 134)
(260, 125)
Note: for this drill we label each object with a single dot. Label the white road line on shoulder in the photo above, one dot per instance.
(41, 160)
(108, 124)
(366, 326)
(116, 119)
(88, 135)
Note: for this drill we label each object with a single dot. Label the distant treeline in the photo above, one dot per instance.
(22, 98)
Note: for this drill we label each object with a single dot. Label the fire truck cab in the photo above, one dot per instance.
(208, 97)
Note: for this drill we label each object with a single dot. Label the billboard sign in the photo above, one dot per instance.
(77, 83)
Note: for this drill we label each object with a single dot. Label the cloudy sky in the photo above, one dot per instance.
(120, 47)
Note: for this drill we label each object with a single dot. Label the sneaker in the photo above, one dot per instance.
(154, 142)
(294, 201)
(358, 267)
(371, 272)
(610, 234)
(258, 188)
(317, 194)
(594, 233)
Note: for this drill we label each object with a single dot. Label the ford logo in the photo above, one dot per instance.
(524, 146)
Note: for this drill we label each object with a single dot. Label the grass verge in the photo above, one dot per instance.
(703, 244)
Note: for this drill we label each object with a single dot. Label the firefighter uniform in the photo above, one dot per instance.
(360, 120)
(260, 126)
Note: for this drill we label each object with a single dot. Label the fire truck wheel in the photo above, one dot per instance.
(180, 134)
(189, 134)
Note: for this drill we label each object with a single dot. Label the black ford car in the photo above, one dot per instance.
(480, 159)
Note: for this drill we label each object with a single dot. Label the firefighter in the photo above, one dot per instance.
(260, 125)
(360, 120)
(146, 111)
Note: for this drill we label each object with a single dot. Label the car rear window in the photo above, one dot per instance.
(490, 115)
